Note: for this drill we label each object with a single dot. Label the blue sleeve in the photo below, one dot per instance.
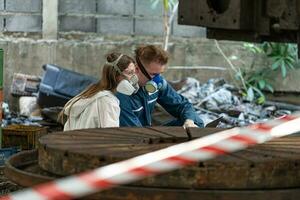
(177, 105)
(127, 116)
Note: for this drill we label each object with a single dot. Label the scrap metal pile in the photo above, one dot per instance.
(216, 98)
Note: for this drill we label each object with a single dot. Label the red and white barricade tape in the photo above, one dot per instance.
(164, 160)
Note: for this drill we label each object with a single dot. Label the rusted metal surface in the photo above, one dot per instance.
(22, 169)
(224, 14)
(30, 174)
(138, 193)
(250, 20)
(25, 137)
(271, 165)
(67, 153)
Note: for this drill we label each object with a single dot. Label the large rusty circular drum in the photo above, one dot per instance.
(260, 172)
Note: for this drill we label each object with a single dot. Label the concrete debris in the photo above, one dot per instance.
(216, 98)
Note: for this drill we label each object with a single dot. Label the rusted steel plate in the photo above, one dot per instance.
(270, 165)
(245, 20)
(226, 14)
(22, 169)
(68, 152)
(30, 174)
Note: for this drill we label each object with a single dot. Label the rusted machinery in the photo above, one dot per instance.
(268, 170)
(245, 20)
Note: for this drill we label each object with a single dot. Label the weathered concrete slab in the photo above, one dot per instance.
(187, 31)
(144, 7)
(149, 27)
(24, 23)
(119, 7)
(115, 26)
(1, 4)
(24, 5)
(1, 23)
(68, 23)
(50, 19)
(77, 6)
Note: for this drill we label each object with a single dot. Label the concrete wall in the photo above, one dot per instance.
(87, 57)
(21, 15)
(110, 17)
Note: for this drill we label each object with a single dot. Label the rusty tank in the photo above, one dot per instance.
(269, 170)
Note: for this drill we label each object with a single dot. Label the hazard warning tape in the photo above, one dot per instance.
(160, 161)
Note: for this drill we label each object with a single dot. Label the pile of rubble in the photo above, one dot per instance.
(216, 99)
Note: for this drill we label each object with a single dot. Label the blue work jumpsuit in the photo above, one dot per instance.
(136, 109)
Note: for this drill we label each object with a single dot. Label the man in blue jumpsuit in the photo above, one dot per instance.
(136, 109)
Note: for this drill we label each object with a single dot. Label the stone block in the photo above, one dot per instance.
(120, 7)
(1, 23)
(115, 26)
(1, 4)
(77, 6)
(24, 23)
(68, 23)
(24, 5)
(149, 27)
(188, 31)
(145, 7)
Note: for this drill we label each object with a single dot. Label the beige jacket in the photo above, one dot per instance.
(100, 111)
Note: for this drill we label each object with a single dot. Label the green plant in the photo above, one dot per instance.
(283, 57)
(255, 83)
(170, 8)
(166, 3)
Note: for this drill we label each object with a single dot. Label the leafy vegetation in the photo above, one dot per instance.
(283, 58)
(166, 3)
(170, 8)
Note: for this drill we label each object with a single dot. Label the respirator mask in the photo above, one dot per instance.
(127, 86)
(155, 83)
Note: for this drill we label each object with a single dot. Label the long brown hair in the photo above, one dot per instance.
(109, 80)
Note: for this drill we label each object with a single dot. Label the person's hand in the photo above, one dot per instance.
(189, 124)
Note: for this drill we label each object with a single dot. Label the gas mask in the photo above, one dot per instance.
(154, 84)
(127, 86)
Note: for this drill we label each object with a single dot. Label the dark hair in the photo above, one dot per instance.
(152, 53)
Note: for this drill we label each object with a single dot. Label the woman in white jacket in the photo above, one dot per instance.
(97, 106)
